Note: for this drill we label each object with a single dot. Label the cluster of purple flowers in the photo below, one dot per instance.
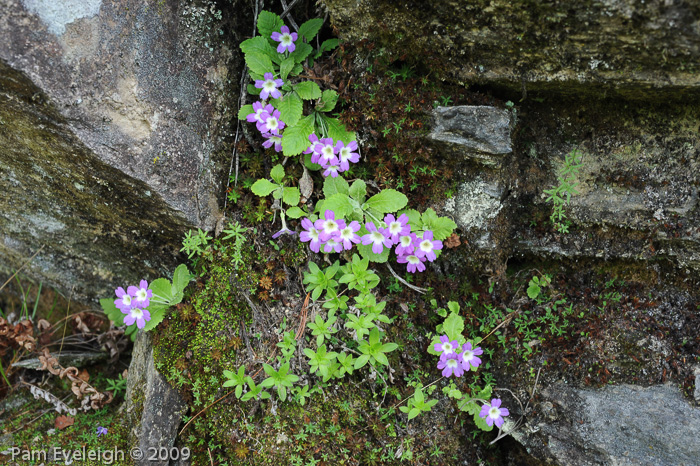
(336, 235)
(333, 158)
(133, 302)
(454, 363)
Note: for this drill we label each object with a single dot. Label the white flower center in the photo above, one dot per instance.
(258, 114)
(452, 363)
(344, 153)
(405, 241)
(414, 260)
(346, 233)
(327, 152)
(269, 85)
(467, 355)
(272, 123)
(426, 245)
(286, 39)
(141, 294)
(395, 227)
(313, 233)
(377, 237)
(446, 347)
(137, 313)
(331, 242)
(276, 139)
(126, 299)
(495, 413)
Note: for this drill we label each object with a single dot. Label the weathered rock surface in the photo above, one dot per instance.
(153, 407)
(627, 47)
(621, 425)
(112, 126)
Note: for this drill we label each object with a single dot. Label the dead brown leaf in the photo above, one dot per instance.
(64, 421)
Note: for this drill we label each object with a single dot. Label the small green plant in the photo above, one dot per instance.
(195, 243)
(117, 386)
(536, 284)
(560, 196)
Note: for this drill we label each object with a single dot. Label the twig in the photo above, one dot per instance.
(287, 9)
(65, 326)
(304, 314)
(211, 460)
(413, 287)
(23, 265)
(507, 319)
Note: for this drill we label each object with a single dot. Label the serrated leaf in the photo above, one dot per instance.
(263, 187)
(481, 423)
(453, 327)
(310, 28)
(286, 67)
(181, 278)
(308, 90)
(414, 219)
(277, 173)
(328, 100)
(114, 314)
(157, 317)
(442, 227)
(365, 251)
(358, 191)
(327, 45)
(259, 63)
(295, 212)
(334, 186)
(162, 290)
(338, 203)
(291, 196)
(386, 201)
(262, 45)
(290, 107)
(295, 139)
(337, 131)
(245, 111)
(310, 165)
(252, 90)
(301, 52)
(268, 23)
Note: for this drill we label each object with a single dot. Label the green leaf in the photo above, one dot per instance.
(481, 423)
(277, 173)
(286, 67)
(327, 45)
(361, 361)
(181, 278)
(414, 219)
(310, 28)
(162, 290)
(262, 45)
(156, 318)
(290, 107)
(308, 90)
(365, 251)
(442, 227)
(268, 23)
(453, 327)
(291, 196)
(335, 185)
(295, 212)
(295, 140)
(252, 90)
(358, 191)
(328, 100)
(338, 203)
(386, 201)
(245, 111)
(259, 63)
(309, 164)
(301, 52)
(114, 314)
(337, 131)
(263, 187)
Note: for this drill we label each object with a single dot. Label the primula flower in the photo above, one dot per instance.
(141, 294)
(468, 356)
(406, 244)
(446, 347)
(138, 315)
(101, 430)
(331, 170)
(275, 139)
(414, 262)
(313, 139)
(124, 301)
(397, 228)
(426, 246)
(310, 234)
(328, 226)
(285, 39)
(259, 109)
(348, 235)
(269, 86)
(333, 245)
(492, 413)
(283, 231)
(324, 153)
(377, 238)
(346, 154)
(271, 123)
(450, 366)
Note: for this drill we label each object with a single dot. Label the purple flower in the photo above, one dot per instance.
(492, 413)
(446, 346)
(406, 243)
(348, 235)
(333, 245)
(427, 245)
(310, 234)
(259, 109)
(285, 39)
(269, 86)
(377, 238)
(450, 366)
(313, 139)
(141, 294)
(331, 170)
(271, 123)
(414, 262)
(283, 231)
(397, 228)
(138, 315)
(328, 226)
(101, 431)
(275, 139)
(468, 356)
(346, 154)
(124, 301)
(324, 153)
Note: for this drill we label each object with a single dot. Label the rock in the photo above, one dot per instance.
(66, 359)
(696, 394)
(476, 203)
(620, 425)
(112, 116)
(154, 409)
(476, 132)
(625, 47)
